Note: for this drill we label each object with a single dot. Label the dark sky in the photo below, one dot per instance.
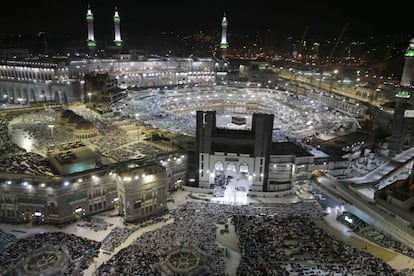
(149, 16)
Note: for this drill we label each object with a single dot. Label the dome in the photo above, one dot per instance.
(85, 125)
(66, 114)
(75, 118)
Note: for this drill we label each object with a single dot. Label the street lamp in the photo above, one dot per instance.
(89, 96)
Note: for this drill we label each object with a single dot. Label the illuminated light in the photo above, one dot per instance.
(80, 180)
(348, 219)
(9, 182)
(43, 185)
(25, 183)
(116, 199)
(403, 94)
(409, 53)
(38, 214)
(136, 177)
(91, 43)
(66, 183)
(78, 210)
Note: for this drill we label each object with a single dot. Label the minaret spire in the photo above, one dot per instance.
(408, 71)
(223, 44)
(399, 124)
(117, 21)
(89, 19)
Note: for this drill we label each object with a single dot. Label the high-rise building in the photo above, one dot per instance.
(117, 22)
(91, 39)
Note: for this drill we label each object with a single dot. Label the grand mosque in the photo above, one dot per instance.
(106, 163)
(61, 79)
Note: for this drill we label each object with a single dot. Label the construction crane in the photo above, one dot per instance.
(341, 34)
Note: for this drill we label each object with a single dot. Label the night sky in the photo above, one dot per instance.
(144, 17)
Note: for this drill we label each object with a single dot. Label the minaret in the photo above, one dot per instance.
(91, 39)
(408, 71)
(398, 126)
(117, 21)
(223, 44)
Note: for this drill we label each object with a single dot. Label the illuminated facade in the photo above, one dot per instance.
(136, 189)
(55, 200)
(142, 191)
(249, 155)
(24, 82)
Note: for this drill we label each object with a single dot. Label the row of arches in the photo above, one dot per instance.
(231, 168)
(27, 75)
(25, 96)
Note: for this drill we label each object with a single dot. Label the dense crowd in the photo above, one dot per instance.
(275, 238)
(36, 127)
(14, 159)
(116, 237)
(269, 243)
(96, 224)
(81, 250)
(174, 109)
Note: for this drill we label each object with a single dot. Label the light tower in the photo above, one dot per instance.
(117, 21)
(398, 126)
(91, 39)
(408, 71)
(223, 44)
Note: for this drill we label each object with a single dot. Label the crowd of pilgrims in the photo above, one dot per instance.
(274, 239)
(81, 250)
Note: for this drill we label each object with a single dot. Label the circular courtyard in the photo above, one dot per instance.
(174, 110)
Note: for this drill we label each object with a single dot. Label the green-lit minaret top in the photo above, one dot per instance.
(116, 16)
(410, 49)
(89, 15)
(224, 22)
(403, 94)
